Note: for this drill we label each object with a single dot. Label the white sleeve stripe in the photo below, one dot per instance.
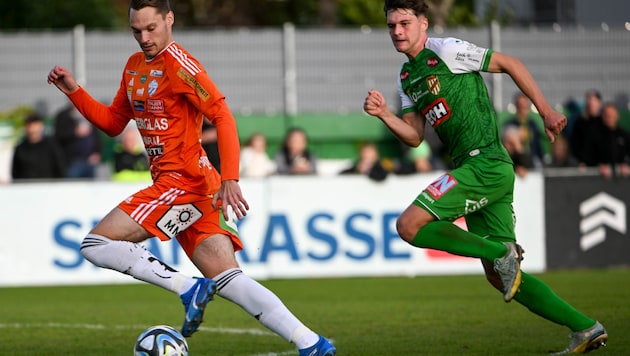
(182, 58)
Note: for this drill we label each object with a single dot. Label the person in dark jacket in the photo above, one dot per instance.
(581, 139)
(612, 148)
(37, 156)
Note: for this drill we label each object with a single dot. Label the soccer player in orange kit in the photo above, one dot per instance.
(168, 92)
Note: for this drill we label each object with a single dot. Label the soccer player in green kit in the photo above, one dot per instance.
(441, 84)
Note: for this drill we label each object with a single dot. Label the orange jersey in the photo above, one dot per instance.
(168, 96)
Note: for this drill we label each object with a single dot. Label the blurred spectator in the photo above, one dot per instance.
(511, 139)
(582, 140)
(80, 142)
(560, 154)
(37, 156)
(131, 163)
(440, 158)
(612, 148)
(573, 111)
(530, 134)
(369, 163)
(421, 157)
(254, 159)
(210, 144)
(294, 157)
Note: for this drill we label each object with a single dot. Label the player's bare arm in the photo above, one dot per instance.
(410, 130)
(553, 120)
(63, 79)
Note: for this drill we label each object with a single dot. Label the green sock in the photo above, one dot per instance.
(541, 300)
(444, 236)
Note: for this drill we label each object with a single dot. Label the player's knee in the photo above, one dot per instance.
(407, 227)
(90, 246)
(491, 275)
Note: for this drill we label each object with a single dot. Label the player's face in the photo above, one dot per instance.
(407, 31)
(152, 30)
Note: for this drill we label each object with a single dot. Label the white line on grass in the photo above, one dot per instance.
(126, 327)
(141, 327)
(291, 352)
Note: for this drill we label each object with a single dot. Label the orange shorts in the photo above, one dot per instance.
(168, 212)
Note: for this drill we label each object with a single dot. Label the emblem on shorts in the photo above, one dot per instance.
(177, 219)
(442, 185)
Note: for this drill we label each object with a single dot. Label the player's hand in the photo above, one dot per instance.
(231, 196)
(63, 79)
(375, 104)
(555, 122)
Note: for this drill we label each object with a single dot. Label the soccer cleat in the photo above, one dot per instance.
(509, 269)
(322, 347)
(586, 340)
(195, 301)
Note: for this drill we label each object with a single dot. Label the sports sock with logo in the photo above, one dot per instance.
(132, 259)
(265, 306)
(444, 236)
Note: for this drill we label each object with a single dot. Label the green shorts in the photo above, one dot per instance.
(481, 190)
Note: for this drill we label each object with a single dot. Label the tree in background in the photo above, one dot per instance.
(112, 14)
(61, 14)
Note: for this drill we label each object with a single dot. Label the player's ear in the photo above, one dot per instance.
(424, 22)
(170, 18)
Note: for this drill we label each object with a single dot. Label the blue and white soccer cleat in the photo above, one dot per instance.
(322, 347)
(195, 301)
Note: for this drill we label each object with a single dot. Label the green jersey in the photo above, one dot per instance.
(443, 84)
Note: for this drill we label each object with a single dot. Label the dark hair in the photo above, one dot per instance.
(419, 7)
(162, 6)
(595, 93)
(285, 147)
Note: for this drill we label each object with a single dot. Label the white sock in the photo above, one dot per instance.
(265, 306)
(134, 260)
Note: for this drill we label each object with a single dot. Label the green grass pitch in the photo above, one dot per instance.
(425, 315)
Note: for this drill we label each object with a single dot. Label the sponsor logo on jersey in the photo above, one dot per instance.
(155, 106)
(131, 72)
(151, 140)
(437, 112)
(404, 75)
(156, 73)
(143, 79)
(129, 89)
(205, 162)
(153, 86)
(152, 124)
(190, 80)
(155, 151)
(441, 185)
(415, 96)
(138, 105)
(433, 83)
(432, 62)
(140, 92)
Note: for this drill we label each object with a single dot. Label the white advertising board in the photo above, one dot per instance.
(298, 227)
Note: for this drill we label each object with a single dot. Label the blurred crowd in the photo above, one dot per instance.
(593, 138)
(69, 147)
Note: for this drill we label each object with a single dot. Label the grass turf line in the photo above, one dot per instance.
(425, 315)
